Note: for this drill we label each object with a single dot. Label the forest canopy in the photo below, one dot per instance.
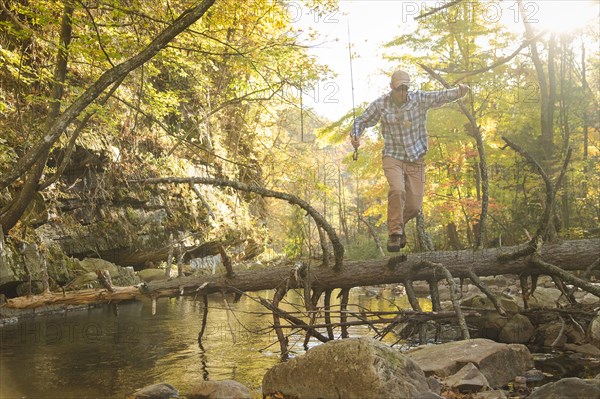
(95, 95)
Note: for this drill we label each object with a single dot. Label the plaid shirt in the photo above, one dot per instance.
(403, 127)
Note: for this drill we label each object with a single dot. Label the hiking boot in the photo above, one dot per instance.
(396, 242)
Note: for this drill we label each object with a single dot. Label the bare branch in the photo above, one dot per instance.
(502, 60)
(453, 290)
(97, 33)
(566, 276)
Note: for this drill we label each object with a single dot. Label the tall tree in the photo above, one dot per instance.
(546, 81)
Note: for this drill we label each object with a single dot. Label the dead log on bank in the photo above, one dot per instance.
(571, 256)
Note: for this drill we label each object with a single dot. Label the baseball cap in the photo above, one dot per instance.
(400, 78)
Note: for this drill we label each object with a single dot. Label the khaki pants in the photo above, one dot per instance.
(405, 196)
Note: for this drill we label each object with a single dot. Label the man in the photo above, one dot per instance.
(403, 116)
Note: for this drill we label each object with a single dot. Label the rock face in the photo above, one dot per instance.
(358, 368)
(568, 388)
(227, 389)
(499, 363)
(156, 391)
(121, 276)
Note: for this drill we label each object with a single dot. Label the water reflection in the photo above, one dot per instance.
(97, 354)
(100, 354)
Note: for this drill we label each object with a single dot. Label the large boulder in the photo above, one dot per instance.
(482, 302)
(148, 275)
(517, 330)
(499, 363)
(568, 388)
(544, 297)
(594, 331)
(491, 323)
(355, 368)
(551, 333)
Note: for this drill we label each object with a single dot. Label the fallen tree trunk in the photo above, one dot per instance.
(568, 255)
(81, 297)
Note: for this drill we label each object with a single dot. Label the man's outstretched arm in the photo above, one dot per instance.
(441, 97)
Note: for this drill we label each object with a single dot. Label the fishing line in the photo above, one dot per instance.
(355, 155)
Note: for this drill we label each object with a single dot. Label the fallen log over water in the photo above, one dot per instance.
(570, 256)
(576, 255)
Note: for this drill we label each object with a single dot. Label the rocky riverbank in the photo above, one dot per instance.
(498, 364)
(363, 368)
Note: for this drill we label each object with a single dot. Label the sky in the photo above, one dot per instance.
(368, 24)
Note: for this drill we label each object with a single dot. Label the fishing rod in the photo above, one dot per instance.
(355, 155)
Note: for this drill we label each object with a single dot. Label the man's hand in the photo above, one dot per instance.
(355, 141)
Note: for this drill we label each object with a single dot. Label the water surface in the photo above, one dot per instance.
(97, 354)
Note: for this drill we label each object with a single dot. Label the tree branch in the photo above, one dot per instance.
(502, 60)
(566, 276)
(453, 290)
(544, 226)
(437, 9)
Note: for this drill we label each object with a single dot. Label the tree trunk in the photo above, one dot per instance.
(569, 255)
(547, 92)
(453, 239)
(585, 122)
(424, 239)
(10, 216)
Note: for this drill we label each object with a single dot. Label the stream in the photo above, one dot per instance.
(96, 354)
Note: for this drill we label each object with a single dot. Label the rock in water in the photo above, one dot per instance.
(499, 363)
(518, 330)
(354, 368)
(156, 391)
(568, 388)
(227, 389)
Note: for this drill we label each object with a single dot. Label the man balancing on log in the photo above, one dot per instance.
(403, 116)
